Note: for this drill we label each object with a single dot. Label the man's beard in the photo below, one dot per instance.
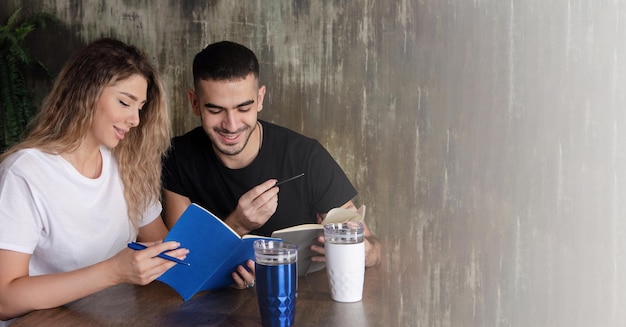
(218, 146)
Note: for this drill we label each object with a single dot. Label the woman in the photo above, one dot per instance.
(84, 182)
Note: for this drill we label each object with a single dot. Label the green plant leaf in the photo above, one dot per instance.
(16, 63)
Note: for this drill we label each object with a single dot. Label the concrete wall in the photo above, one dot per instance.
(488, 137)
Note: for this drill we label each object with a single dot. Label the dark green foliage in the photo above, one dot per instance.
(16, 100)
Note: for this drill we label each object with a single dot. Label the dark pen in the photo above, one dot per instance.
(137, 246)
(289, 179)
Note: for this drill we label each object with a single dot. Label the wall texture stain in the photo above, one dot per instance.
(488, 138)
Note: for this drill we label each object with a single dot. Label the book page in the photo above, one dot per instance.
(306, 235)
(297, 228)
(342, 215)
(304, 238)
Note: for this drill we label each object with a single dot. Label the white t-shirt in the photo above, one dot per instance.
(64, 219)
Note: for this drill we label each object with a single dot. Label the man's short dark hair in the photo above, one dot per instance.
(224, 61)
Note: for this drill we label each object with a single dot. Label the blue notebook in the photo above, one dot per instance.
(215, 250)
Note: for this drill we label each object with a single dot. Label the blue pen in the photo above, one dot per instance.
(137, 246)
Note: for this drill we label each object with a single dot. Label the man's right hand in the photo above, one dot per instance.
(254, 208)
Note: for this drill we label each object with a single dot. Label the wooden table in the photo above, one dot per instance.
(158, 305)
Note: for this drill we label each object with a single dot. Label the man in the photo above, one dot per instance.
(230, 164)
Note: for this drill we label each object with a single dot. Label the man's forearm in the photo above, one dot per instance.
(372, 253)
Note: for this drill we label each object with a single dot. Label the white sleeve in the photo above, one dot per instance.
(20, 219)
(152, 212)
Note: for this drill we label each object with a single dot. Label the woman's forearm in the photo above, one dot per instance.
(28, 293)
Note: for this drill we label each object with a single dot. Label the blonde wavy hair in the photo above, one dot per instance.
(67, 113)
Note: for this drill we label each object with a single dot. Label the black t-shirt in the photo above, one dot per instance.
(192, 169)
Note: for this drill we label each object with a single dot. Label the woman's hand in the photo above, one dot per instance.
(143, 266)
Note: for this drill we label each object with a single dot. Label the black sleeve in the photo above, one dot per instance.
(330, 187)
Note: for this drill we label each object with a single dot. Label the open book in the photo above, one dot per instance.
(306, 235)
(215, 250)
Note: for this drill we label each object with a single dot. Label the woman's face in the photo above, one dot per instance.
(117, 110)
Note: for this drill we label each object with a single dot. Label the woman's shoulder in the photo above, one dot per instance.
(31, 163)
(25, 157)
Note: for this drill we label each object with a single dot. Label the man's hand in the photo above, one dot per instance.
(244, 276)
(254, 208)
